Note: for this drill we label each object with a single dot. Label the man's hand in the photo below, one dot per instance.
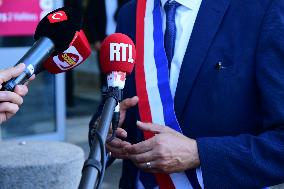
(10, 101)
(167, 152)
(116, 146)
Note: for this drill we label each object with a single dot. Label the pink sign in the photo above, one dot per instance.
(20, 17)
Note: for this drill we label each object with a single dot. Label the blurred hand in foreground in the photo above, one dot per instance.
(11, 101)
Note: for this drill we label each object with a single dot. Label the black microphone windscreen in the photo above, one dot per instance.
(60, 26)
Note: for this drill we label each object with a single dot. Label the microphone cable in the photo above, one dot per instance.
(116, 93)
(100, 166)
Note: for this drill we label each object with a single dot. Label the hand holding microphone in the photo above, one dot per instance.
(60, 46)
(117, 145)
(10, 101)
(117, 59)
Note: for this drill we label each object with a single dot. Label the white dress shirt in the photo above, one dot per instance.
(185, 18)
(111, 7)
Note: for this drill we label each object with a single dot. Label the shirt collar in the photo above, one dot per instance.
(191, 4)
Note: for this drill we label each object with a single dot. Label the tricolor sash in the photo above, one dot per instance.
(156, 104)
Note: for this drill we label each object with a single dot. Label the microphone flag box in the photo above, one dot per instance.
(79, 50)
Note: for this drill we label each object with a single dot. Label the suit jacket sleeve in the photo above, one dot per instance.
(248, 161)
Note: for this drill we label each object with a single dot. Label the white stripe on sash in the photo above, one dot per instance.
(180, 180)
(150, 68)
(199, 177)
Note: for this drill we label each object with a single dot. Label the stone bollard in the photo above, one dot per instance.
(40, 165)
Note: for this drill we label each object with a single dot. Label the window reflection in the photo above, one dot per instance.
(37, 114)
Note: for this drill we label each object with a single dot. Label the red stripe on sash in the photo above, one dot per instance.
(164, 180)
(143, 103)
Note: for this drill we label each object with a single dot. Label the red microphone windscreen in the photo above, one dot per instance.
(117, 54)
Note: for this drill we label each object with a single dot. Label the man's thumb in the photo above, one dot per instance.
(6, 75)
(128, 103)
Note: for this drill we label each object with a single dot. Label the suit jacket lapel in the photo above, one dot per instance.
(209, 17)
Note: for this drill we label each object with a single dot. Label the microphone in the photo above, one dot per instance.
(56, 32)
(117, 59)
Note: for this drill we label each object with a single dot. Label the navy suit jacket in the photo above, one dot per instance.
(234, 111)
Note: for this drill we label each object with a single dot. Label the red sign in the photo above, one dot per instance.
(59, 16)
(20, 17)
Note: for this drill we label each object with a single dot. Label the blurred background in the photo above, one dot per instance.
(58, 107)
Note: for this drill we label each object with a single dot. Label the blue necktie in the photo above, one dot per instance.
(170, 34)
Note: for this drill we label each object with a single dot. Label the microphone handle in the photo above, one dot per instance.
(90, 175)
(33, 59)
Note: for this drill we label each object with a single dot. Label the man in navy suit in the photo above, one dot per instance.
(228, 88)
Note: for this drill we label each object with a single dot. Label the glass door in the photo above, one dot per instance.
(42, 116)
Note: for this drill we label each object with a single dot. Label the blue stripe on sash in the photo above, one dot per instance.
(162, 69)
(148, 180)
(192, 177)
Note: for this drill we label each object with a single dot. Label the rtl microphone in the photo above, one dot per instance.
(117, 58)
(56, 32)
